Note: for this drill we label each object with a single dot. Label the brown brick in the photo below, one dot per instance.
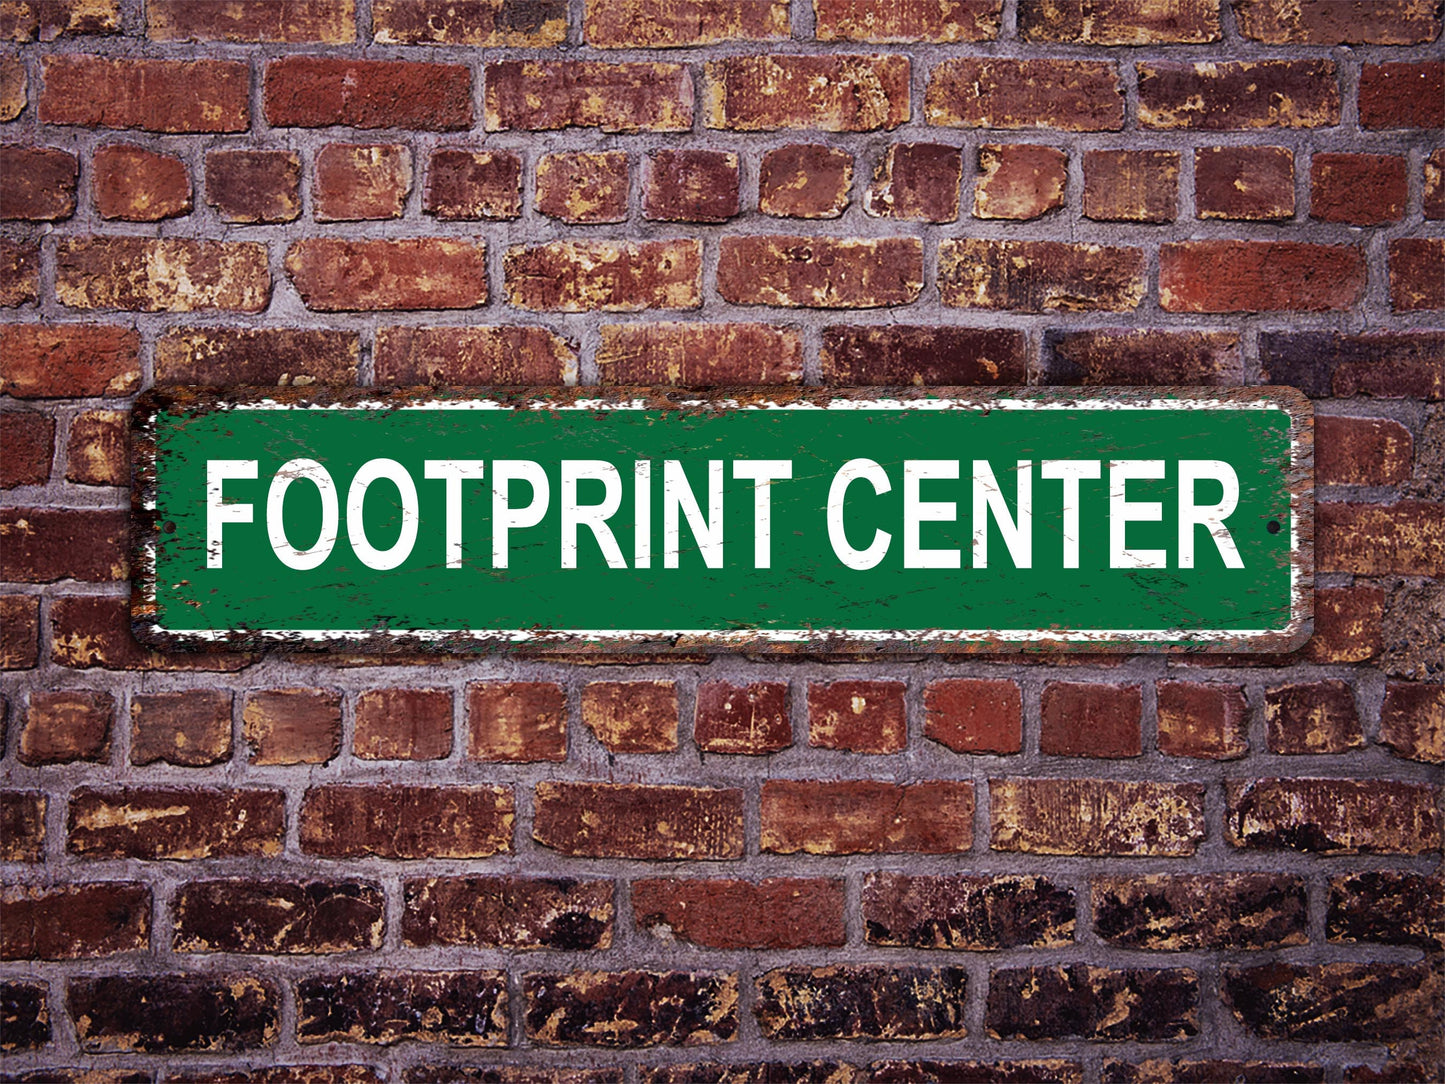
(265, 356)
(611, 276)
(292, 726)
(540, 95)
(811, 1072)
(1361, 451)
(1096, 817)
(632, 716)
(19, 631)
(1090, 720)
(805, 180)
(39, 183)
(998, 92)
(1131, 185)
(335, 274)
(510, 354)
(254, 186)
(1347, 624)
(61, 727)
(751, 720)
(857, 716)
(942, 22)
(19, 272)
(778, 913)
(916, 181)
(1417, 273)
(974, 715)
(167, 1013)
(909, 354)
(98, 452)
(176, 823)
(488, 23)
(1111, 357)
(1206, 1071)
(1433, 197)
(142, 274)
(1093, 1003)
(1403, 95)
(873, 1003)
(1376, 539)
(138, 185)
(517, 721)
(460, 1008)
(690, 186)
(1019, 180)
(1333, 816)
(1119, 22)
(816, 816)
(47, 20)
(1412, 631)
(403, 724)
(470, 185)
(1312, 22)
(699, 354)
(341, 821)
(1013, 1071)
(1215, 96)
(278, 1074)
(583, 188)
(1206, 721)
(831, 93)
(43, 545)
(667, 24)
(13, 87)
(252, 20)
(25, 1014)
(973, 913)
(1358, 189)
(630, 1009)
(94, 630)
(22, 825)
(68, 361)
(73, 922)
(154, 95)
(1039, 276)
(606, 820)
(1259, 276)
(191, 729)
(1206, 911)
(1249, 183)
(1388, 906)
(508, 912)
(315, 92)
(1343, 1002)
(27, 439)
(820, 272)
(1412, 720)
(1324, 364)
(356, 181)
(278, 917)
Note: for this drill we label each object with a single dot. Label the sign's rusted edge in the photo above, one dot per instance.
(146, 526)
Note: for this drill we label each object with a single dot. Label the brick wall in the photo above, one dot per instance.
(639, 869)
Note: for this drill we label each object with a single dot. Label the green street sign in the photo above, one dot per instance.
(643, 520)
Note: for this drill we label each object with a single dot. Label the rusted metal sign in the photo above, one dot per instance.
(882, 519)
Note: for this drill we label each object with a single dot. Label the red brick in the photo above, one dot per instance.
(74, 922)
(165, 1013)
(1361, 451)
(467, 185)
(1358, 189)
(1313, 717)
(820, 272)
(153, 95)
(916, 181)
(632, 716)
(254, 186)
(1119, 22)
(19, 633)
(997, 92)
(61, 727)
(1215, 96)
(143, 274)
(942, 22)
(276, 356)
(1259, 276)
(19, 272)
(816, 816)
(1205, 721)
(47, 20)
(832, 93)
(508, 912)
(516, 721)
(540, 95)
(278, 917)
(778, 913)
(330, 23)
(292, 726)
(1090, 720)
(690, 186)
(94, 630)
(607, 820)
(907, 354)
(857, 716)
(1039, 276)
(611, 276)
(1407, 538)
(357, 181)
(406, 356)
(1096, 817)
(176, 823)
(39, 183)
(667, 24)
(805, 180)
(966, 913)
(22, 825)
(335, 274)
(630, 1009)
(98, 452)
(1250, 183)
(27, 445)
(1347, 624)
(751, 720)
(487, 23)
(190, 729)
(974, 715)
(1417, 273)
(1412, 721)
(1403, 95)
(583, 188)
(1331, 22)
(403, 724)
(1433, 197)
(699, 354)
(1105, 357)
(13, 87)
(1333, 816)
(43, 545)
(316, 92)
(1131, 186)
(1019, 180)
(137, 185)
(352, 821)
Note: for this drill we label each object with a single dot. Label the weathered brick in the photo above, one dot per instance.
(405, 822)
(1019, 180)
(666, 24)
(138, 185)
(1013, 1071)
(1374, 539)
(403, 724)
(974, 715)
(424, 1073)
(943, 22)
(1361, 451)
(1392, 907)
(68, 360)
(254, 186)
(1310, 22)
(753, 1072)
(1412, 720)
(19, 272)
(44, 545)
(607, 820)
(175, 823)
(278, 917)
(252, 20)
(94, 630)
(143, 274)
(816, 816)
(469, 185)
(191, 729)
(777, 913)
(1207, 721)
(864, 1002)
(27, 439)
(1039, 276)
(917, 181)
(1119, 22)
(19, 632)
(1417, 273)
(517, 721)
(292, 726)
(1358, 189)
(1344, 1002)
(1138, 356)
(632, 716)
(22, 825)
(630, 1009)
(24, 1015)
(508, 912)
(270, 355)
(583, 188)
(910, 354)
(1201, 911)
(275, 1074)
(1208, 1070)
(805, 180)
(98, 451)
(820, 272)
(998, 92)
(61, 727)
(315, 92)
(751, 720)
(1390, 364)
(170, 1013)
(693, 185)
(75, 921)
(1259, 276)
(1333, 816)
(488, 23)
(1347, 624)
(699, 354)
(973, 913)
(460, 1008)
(1215, 96)
(149, 94)
(1403, 95)
(47, 20)
(356, 181)
(1096, 817)
(514, 355)
(1131, 185)
(831, 93)
(1094, 1003)
(1413, 630)
(857, 716)
(14, 85)
(39, 183)
(1432, 199)
(1090, 720)
(335, 274)
(611, 276)
(1249, 183)
(540, 95)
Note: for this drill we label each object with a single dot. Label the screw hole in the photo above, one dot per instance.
(1272, 526)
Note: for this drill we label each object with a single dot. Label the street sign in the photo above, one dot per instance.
(644, 520)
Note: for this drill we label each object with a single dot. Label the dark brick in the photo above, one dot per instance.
(19, 272)
(1312, 717)
(160, 1014)
(831, 93)
(820, 272)
(1345, 1002)
(1361, 451)
(39, 183)
(406, 356)
(1358, 189)
(1217, 96)
(65, 726)
(254, 186)
(331, 23)
(188, 729)
(407, 822)
(1391, 907)
(754, 1072)
(1205, 911)
(805, 180)
(508, 912)
(690, 186)
(583, 188)
(862, 1002)
(76, 921)
(1417, 273)
(909, 354)
(154, 95)
(1096, 817)
(22, 825)
(1031, 1071)
(918, 182)
(1090, 720)
(648, 24)
(175, 823)
(506, 1074)
(292, 726)
(883, 21)
(48, 20)
(1387, 364)
(1403, 95)
(94, 630)
(518, 721)
(998, 92)
(1131, 185)
(1300, 22)
(1333, 816)
(27, 441)
(749, 720)
(1412, 720)
(607, 820)
(1433, 198)
(700, 354)
(1250, 183)
(543, 95)
(470, 185)
(460, 1008)
(611, 276)
(1093, 1003)
(19, 632)
(1039, 276)
(975, 913)
(1209, 1071)
(24, 1015)
(403, 724)
(264, 356)
(510, 23)
(278, 917)
(14, 85)
(276, 1074)
(44, 545)
(1259, 276)
(1207, 721)
(1118, 22)
(815, 816)
(630, 1009)
(778, 913)
(315, 92)
(1139, 356)
(1407, 537)
(1347, 624)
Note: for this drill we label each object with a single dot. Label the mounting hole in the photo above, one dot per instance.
(1272, 526)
